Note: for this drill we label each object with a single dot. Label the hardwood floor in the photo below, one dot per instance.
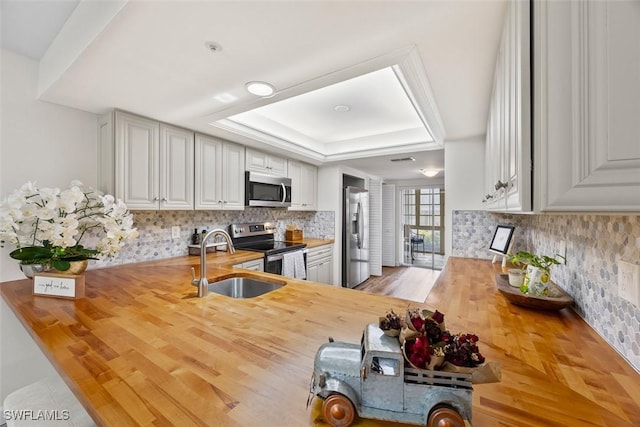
(410, 283)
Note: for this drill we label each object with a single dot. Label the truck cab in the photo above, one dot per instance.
(371, 380)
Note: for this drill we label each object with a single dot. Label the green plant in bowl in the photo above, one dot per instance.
(541, 262)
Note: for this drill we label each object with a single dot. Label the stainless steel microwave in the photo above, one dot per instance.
(267, 190)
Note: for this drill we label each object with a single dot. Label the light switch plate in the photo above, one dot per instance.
(175, 232)
(629, 282)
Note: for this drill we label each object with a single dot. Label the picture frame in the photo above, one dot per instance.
(58, 285)
(501, 241)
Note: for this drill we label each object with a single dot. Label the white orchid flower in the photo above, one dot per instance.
(29, 216)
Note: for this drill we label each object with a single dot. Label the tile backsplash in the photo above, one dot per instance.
(155, 240)
(594, 244)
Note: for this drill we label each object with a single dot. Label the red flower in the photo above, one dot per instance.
(438, 317)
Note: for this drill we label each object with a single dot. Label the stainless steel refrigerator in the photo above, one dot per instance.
(356, 237)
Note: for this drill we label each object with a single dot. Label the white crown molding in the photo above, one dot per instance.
(409, 70)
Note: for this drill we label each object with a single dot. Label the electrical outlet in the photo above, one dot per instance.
(562, 252)
(629, 282)
(175, 232)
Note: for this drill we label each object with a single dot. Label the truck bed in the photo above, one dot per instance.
(439, 378)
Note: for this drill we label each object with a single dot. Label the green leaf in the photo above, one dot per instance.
(31, 253)
(61, 265)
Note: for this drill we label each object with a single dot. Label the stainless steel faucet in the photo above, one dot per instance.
(202, 283)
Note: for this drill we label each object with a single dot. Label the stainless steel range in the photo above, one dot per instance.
(259, 237)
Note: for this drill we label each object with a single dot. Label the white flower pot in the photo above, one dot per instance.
(516, 277)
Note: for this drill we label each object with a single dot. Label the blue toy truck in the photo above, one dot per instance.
(371, 380)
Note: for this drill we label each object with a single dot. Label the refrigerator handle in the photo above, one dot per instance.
(359, 225)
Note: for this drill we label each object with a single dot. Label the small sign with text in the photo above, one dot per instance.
(58, 285)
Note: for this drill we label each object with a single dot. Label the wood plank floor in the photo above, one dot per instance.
(410, 283)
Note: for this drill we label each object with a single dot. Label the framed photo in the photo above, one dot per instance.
(502, 239)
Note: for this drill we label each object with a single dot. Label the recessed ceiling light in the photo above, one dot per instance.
(341, 108)
(429, 173)
(214, 47)
(404, 159)
(260, 88)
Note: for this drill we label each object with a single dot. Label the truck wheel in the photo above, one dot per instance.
(338, 411)
(445, 416)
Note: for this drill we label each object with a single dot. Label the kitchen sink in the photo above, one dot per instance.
(243, 287)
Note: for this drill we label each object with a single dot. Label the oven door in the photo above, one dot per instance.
(265, 190)
(273, 263)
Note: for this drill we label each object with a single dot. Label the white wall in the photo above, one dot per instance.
(51, 145)
(464, 179)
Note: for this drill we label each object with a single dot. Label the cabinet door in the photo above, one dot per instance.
(257, 161)
(208, 172)
(320, 264)
(233, 176)
(277, 165)
(508, 144)
(517, 156)
(137, 161)
(325, 271)
(309, 182)
(304, 188)
(312, 273)
(295, 173)
(587, 80)
(176, 168)
(256, 265)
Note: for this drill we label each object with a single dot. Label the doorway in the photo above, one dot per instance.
(422, 213)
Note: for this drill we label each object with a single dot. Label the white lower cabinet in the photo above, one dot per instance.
(586, 103)
(255, 265)
(219, 174)
(320, 264)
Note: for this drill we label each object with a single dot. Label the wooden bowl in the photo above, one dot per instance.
(556, 300)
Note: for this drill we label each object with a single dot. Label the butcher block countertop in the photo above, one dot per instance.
(142, 349)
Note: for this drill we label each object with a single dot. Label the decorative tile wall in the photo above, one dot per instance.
(595, 244)
(155, 240)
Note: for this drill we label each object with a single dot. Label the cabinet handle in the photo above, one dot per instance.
(500, 185)
(164, 199)
(155, 199)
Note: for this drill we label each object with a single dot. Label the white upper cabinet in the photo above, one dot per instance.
(147, 164)
(508, 143)
(304, 186)
(257, 161)
(587, 105)
(219, 172)
(176, 168)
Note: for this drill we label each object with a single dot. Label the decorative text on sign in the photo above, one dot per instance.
(58, 286)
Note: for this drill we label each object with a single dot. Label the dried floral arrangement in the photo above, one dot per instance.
(427, 344)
